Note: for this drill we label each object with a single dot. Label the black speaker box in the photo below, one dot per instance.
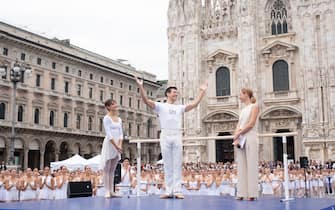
(79, 189)
(303, 162)
(117, 174)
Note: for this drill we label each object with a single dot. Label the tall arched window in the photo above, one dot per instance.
(20, 114)
(280, 76)
(78, 121)
(278, 18)
(223, 82)
(100, 124)
(90, 122)
(52, 118)
(2, 111)
(37, 116)
(65, 120)
(149, 125)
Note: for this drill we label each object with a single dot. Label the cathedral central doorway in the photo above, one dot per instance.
(278, 146)
(224, 149)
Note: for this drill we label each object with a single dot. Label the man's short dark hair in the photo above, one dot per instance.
(168, 90)
(125, 159)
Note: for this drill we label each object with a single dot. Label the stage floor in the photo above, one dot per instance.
(154, 203)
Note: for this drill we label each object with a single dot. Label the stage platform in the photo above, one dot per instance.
(154, 203)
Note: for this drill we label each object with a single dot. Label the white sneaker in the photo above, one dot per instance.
(107, 195)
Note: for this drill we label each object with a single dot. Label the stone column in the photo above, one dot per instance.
(211, 150)
(42, 150)
(57, 155)
(25, 159)
(7, 151)
(307, 149)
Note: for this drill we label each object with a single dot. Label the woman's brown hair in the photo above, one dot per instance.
(109, 102)
(250, 93)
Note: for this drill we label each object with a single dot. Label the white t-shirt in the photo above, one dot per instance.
(170, 115)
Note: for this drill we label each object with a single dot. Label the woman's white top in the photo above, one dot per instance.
(245, 116)
(113, 131)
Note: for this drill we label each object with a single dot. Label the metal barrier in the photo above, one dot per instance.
(283, 135)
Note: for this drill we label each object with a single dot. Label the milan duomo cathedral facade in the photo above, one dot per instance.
(283, 49)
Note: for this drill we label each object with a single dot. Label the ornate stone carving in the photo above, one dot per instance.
(282, 123)
(279, 49)
(221, 117)
(218, 19)
(222, 58)
(181, 12)
(222, 127)
(281, 114)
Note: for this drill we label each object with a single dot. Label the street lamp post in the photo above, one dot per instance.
(16, 74)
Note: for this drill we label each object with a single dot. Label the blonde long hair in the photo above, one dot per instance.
(250, 93)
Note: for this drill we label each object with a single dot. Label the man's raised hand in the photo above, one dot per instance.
(204, 86)
(138, 81)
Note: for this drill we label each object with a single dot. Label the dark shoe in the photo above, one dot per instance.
(115, 195)
(239, 198)
(251, 199)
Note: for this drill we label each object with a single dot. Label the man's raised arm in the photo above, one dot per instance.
(147, 101)
(195, 103)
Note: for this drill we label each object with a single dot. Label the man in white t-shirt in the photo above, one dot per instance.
(170, 117)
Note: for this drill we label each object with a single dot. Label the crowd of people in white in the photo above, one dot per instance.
(215, 179)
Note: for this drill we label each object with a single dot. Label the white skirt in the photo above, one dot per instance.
(62, 192)
(28, 194)
(101, 191)
(47, 193)
(2, 193)
(267, 189)
(11, 195)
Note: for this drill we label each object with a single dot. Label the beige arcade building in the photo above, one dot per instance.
(59, 109)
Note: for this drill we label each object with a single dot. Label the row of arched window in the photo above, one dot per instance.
(52, 120)
(52, 117)
(280, 78)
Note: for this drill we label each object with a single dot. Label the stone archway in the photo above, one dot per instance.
(88, 151)
(219, 123)
(76, 149)
(63, 151)
(2, 149)
(50, 153)
(279, 119)
(34, 154)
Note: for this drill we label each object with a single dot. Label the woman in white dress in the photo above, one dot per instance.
(126, 177)
(99, 184)
(60, 185)
(321, 186)
(47, 185)
(234, 181)
(193, 185)
(226, 183)
(247, 154)
(266, 181)
(12, 187)
(112, 145)
(28, 186)
(203, 188)
(277, 180)
(37, 179)
(2, 185)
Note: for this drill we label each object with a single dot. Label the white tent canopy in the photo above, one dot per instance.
(73, 163)
(94, 162)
